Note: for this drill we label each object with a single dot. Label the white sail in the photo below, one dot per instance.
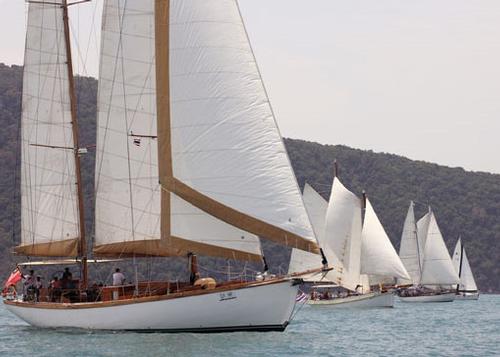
(422, 231)
(224, 171)
(462, 267)
(300, 260)
(378, 256)
(343, 232)
(409, 249)
(49, 213)
(225, 142)
(437, 268)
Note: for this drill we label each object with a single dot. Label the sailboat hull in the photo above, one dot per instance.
(467, 296)
(449, 297)
(260, 307)
(370, 300)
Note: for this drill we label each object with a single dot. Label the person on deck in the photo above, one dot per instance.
(118, 279)
(29, 288)
(55, 289)
(38, 285)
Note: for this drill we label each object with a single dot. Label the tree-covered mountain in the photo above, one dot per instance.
(465, 203)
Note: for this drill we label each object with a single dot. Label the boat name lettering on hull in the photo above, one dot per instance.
(227, 296)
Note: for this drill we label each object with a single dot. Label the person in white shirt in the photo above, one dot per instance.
(118, 279)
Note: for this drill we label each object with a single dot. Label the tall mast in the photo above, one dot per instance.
(82, 247)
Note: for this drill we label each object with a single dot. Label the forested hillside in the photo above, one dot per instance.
(465, 203)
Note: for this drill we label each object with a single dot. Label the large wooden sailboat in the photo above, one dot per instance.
(189, 161)
(467, 289)
(425, 256)
(361, 251)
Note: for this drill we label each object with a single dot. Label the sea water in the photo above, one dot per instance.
(461, 328)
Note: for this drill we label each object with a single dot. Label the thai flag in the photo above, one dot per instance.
(301, 297)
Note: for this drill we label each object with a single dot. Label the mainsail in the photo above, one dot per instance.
(437, 267)
(462, 267)
(379, 259)
(422, 231)
(189, 157)
(49, 198)
(343, 229)
(409, 252)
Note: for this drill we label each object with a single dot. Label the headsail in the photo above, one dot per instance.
(409, 249)
(437, 268)
(462, 267)
(186, 135)
(49, 211)
(378, 256)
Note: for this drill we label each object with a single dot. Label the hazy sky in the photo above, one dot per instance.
(420, 78)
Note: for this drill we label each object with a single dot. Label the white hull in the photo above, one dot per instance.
(258, 307)
(449, 297)
(369, 300)
(467, 296)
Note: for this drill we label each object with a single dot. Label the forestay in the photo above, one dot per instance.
(409, 249)
(189, 157)
(378, 256)
(49, 213)
(467, 282)
(437, 268)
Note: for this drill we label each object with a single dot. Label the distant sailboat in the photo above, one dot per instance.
(423, 247)
(189, 161)
(467, 289)
(362, 254)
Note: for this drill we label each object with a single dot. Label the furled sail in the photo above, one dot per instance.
(378, 257)
(437, 267)
(189, 157)
(49, 212)
(409, 249)
(343, 232)
(462, 267)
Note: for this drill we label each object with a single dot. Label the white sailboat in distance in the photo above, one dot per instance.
(189, 161)
(467, 289)
(367, 256)
(423, 247)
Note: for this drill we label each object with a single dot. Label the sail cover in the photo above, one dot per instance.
(186, 136)
(437, 268)
(378, 256)
(462, 267)
(409, 249)
(49, 213)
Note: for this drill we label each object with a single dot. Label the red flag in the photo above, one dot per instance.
(14, 277)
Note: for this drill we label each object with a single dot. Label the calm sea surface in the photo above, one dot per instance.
(461, 328)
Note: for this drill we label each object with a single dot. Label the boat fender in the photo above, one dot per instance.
(206, 283)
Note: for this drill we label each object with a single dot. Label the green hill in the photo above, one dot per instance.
(465, 203)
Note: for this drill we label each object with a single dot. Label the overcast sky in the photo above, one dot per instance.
(419, 78)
